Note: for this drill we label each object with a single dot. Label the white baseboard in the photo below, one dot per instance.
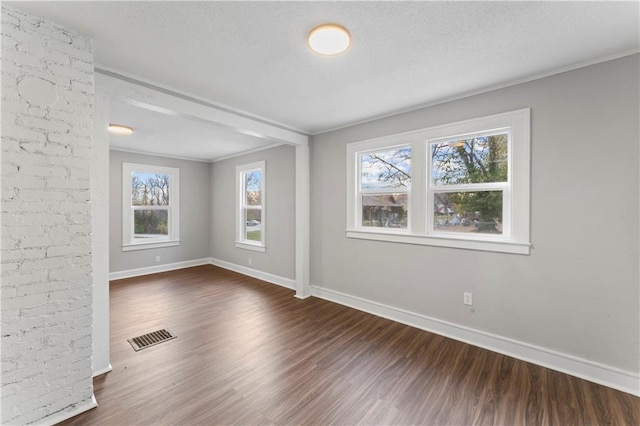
(64, 415)
(103, 371)
(158, 268)
(264, 276)
(585, 369)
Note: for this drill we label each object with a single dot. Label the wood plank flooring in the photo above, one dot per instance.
(250, 353)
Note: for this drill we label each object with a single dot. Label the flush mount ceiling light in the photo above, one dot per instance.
(119, 129)
(329, 39)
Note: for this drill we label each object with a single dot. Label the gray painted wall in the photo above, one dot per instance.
(578, 292)
(279, 258)
(194, 214)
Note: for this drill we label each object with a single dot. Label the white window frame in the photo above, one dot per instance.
(129, 241)
(516, 191)
(241, 222)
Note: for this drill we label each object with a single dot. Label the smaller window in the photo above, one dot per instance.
(250, 214)
(150, 206)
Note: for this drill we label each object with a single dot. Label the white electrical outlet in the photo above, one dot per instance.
(249, 261)
(157, 258)
(468, 299)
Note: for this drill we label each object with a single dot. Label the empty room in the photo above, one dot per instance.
(375, 213)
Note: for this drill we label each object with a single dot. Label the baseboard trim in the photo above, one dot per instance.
(264, 276)
(585, 369)
(103, 371)
(158, 268)
(65, 415)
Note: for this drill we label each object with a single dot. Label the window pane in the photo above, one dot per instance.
(253, 226)
(476, 160)
(253, 188)
(386, 169)
(385, 210)
(148, 189)
(151, 223)
(471, 212)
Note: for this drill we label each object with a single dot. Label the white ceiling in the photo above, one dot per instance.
(177, 136)
(252, 56)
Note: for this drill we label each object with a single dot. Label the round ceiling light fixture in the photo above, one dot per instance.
(329, 39)
(119, 129)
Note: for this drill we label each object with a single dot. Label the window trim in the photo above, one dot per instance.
(516, 192)
(241, 242)
(129, 242)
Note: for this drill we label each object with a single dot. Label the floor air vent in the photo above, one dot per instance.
(151, 339)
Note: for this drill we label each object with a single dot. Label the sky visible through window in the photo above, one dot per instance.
(253, 180)
(385, 169)
(149, 189)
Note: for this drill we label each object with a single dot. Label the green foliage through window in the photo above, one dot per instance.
(150, 189)
(150, 223)
(476, 160)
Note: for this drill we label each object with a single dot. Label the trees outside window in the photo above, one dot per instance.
(150, 197)
(464, 185)
(468, 177)
(150, 206)
(385, 181)
(250, 211)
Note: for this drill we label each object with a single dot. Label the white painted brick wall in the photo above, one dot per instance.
(46, 290)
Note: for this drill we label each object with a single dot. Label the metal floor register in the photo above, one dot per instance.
(151, 339)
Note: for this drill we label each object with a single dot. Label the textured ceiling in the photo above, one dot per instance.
(252, 56)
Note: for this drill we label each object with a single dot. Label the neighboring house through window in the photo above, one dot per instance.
(250, 202)
(385, 182)
(463, 185)
(150, 206)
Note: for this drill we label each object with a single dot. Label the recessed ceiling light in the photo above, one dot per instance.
(119, 129)
(329, 39)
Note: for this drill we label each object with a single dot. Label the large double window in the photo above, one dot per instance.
(463, 185)
(150, 201)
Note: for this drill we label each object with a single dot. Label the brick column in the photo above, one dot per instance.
(46, 291)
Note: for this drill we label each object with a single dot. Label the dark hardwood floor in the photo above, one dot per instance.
(250, 353)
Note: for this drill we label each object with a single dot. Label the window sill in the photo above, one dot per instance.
(249, 246)
(150, 245)
(500, 246)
